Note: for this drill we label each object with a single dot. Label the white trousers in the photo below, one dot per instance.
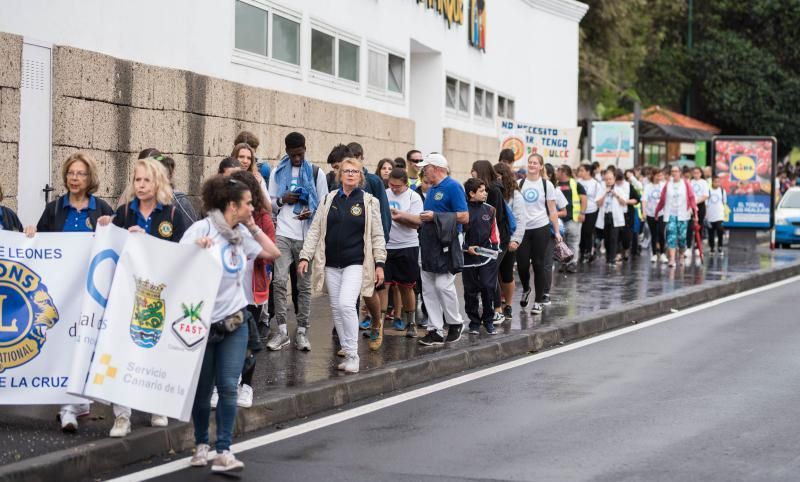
(441, 299)
(344, 287)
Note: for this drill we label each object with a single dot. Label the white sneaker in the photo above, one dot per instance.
(687, 253)
(200, 457)
(697, 253)
(350, 364)
(245, 397)
(654, 258)
(664, 258)
(158, 420)
(121, 428)
(69, 422)
(214, 399)
(226, 462)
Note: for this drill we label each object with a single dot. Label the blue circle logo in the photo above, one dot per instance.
(394, 205)
(530, 195)
(231, 259)
(714, 199)
(696, 187)
(655, 195)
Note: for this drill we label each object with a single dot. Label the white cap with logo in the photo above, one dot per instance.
(433, 159)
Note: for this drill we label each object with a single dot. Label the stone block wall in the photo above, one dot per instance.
(463, 148)
(10, 76)
(114, 108)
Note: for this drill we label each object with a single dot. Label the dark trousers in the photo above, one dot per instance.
(587, 234)
(252, 314)
(657, 238)
(533, 251)
(480, 281)
(610, 238)
(716, 231)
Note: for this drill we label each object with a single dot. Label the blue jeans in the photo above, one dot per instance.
(223, 361)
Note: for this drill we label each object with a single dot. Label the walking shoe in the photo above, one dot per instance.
(654, 258)
(572, 268)
(399, 324)
(301, 341)
(411, 330)
(69, 422)
(498, 317)
(474, 329)
(350, 364)
(523, 301)
(341, 352)
(365, 324)
(278, 341)
(244, 398)
(423, 323)
(454, 332)
(376, 336)
(432, 338)
(226, 462)
(536, 309)
(200, 456)
(663, 258)
(214, 398)
(507, 312)
(121, 428)
(490, 329)
(158, 420)
(546, 299)
(697, 253)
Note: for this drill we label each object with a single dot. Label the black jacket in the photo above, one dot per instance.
(439, 245)
(10, 220)
(55, 215)
(168, 224)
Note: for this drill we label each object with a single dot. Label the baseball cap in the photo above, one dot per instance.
(433, 159)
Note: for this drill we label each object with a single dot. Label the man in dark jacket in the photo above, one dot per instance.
(446, 195)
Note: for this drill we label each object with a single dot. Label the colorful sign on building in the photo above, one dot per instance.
(451, 10)
(477, 24)
(557, 145)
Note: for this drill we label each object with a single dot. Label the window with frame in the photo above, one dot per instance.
(387, 72)
(483, 103)
(268, 33)
(505, 107)
(457, 95)
(335, 56)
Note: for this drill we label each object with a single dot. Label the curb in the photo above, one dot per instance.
(93, 459)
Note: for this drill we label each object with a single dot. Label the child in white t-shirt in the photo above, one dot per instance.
(715, 214)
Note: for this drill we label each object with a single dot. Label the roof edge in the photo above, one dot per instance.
(568, 9)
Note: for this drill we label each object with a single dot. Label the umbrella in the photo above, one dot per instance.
(698, 239)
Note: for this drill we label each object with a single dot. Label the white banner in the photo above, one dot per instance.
(42, 281)
(557, 145)
(149, 355)
(108, 244)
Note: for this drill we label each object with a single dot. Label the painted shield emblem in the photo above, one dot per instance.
(147, 321)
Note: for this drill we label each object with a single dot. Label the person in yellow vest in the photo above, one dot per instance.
(413, 157)
(574, 192)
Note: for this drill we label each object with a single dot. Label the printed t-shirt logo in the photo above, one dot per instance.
(655, 194)
(356, 210)
(714, 198)
(696, 187)
(394, 205)
(26, 313)
(231, 259)
(531, 195)
(147, 320)
(165, 229)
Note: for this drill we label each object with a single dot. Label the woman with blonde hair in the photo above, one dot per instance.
(76, 211)
(346, 243)
(145, 208)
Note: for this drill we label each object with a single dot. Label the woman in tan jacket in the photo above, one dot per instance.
(346, 243)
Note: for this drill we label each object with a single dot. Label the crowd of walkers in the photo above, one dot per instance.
(383, 245)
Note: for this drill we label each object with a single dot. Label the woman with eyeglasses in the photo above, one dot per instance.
(679, 206)
(76, 211)
(347, 245)
(228, 227)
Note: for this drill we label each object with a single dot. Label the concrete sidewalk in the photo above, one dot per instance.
(291, 384)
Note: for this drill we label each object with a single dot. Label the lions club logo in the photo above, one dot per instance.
(356, 210)
(531, 195)
(165, 229)
(147, 321)
(26, 313)
(438, 196)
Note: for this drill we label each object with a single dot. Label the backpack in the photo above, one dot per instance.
(512, 220)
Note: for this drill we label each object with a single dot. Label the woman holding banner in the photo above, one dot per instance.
(228, 226)
(76, 211)
(145, 208)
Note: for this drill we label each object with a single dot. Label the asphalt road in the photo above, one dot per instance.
(711, 396)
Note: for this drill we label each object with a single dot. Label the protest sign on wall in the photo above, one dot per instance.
(612, 144)
(555, 144)
(149, 355)
(42, 280)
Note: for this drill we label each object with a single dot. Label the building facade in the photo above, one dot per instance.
(114, 77)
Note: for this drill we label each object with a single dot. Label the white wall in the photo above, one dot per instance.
(531, 54)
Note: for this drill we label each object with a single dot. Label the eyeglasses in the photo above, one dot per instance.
(351, 172)
(79, 174)
(415, 161)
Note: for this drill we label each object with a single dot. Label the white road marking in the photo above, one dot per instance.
(436, 387)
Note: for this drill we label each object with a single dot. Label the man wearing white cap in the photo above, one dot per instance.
(446, 195)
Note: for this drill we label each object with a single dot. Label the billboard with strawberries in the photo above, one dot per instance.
(746, 170)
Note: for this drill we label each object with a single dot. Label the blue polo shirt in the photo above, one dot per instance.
(446, 197)
(141, 221)
(78, 221)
